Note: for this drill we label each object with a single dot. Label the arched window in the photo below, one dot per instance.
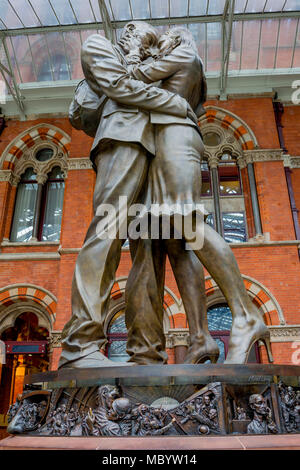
(56, 69)
(26, 345)
(219, 320)
(25, 208)
(222, 190)
(38, 207)
(117, 338)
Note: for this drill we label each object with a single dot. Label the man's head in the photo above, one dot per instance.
(142, 34)
(257, 404)
(175, 37)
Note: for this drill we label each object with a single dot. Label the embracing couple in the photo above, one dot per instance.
(148, 148)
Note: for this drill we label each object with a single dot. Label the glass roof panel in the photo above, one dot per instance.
(255, 6)
(286, 42)
(178, 8)
(95, 9)
(216, 7)
(235, 51)
(119, 10)
(292, 5)
(240, 5)
(250, 44)
(198, 8)
(83, 11)
(267, 51)
(25, 13)
(275, 5)
(140, 9)
(44, 12)
(8, 15)
(214, 47)
(159, 8)
(63, 11)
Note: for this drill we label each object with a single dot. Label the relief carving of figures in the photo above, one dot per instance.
(202, 410)
(25, 416)
(290, 407)
(262, 422)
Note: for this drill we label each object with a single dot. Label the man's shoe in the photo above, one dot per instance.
(95, 359)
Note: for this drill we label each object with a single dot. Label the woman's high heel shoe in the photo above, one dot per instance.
(199, 354)
(238, 351)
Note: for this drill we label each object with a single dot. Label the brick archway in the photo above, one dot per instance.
(259, 294)
(23, 293)
(240, 130)
(27, 139)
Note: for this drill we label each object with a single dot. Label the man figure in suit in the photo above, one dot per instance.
(120, 152)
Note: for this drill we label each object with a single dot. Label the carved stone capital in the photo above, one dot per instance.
(55, 339)
(213, 161)
(178, 337)
(8, 176)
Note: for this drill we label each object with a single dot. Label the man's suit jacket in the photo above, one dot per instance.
(181, 72)
(126, 114)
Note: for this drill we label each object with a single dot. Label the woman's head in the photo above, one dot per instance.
(175, 37)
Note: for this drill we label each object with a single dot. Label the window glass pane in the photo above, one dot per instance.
(255, 6)
(286, 42)
(198, 32)
(117, 345)
(140, 9)
(234, 227)
(96, 10)
(210, 220)
(239, 6)
(216, 7)
(292, 5)
(179, 8)
(206, 187)
(63, 11)
(120, 10)
(219, 317)
(25, 13)
(159, 9)
(28, 175)
(56, 173)
(198, 8)
(250, 44)
(214, 49)
(229, 179)
(44, 12)
(267, 44)
(53, 211)
(9, 17)
(22, 226)
(117, 325)
(83, 11)
(274, 5)
(211, 139)
(117, 351)
(44, 154)
(235, 51)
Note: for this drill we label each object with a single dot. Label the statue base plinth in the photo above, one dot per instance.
(171, 401)
(183, 443)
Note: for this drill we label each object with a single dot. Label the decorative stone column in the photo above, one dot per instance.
(213, 162)
(179, 339)
(247, 161)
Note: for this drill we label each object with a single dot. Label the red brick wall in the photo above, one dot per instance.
(291, 129)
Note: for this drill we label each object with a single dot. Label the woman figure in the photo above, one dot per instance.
(175, 179)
